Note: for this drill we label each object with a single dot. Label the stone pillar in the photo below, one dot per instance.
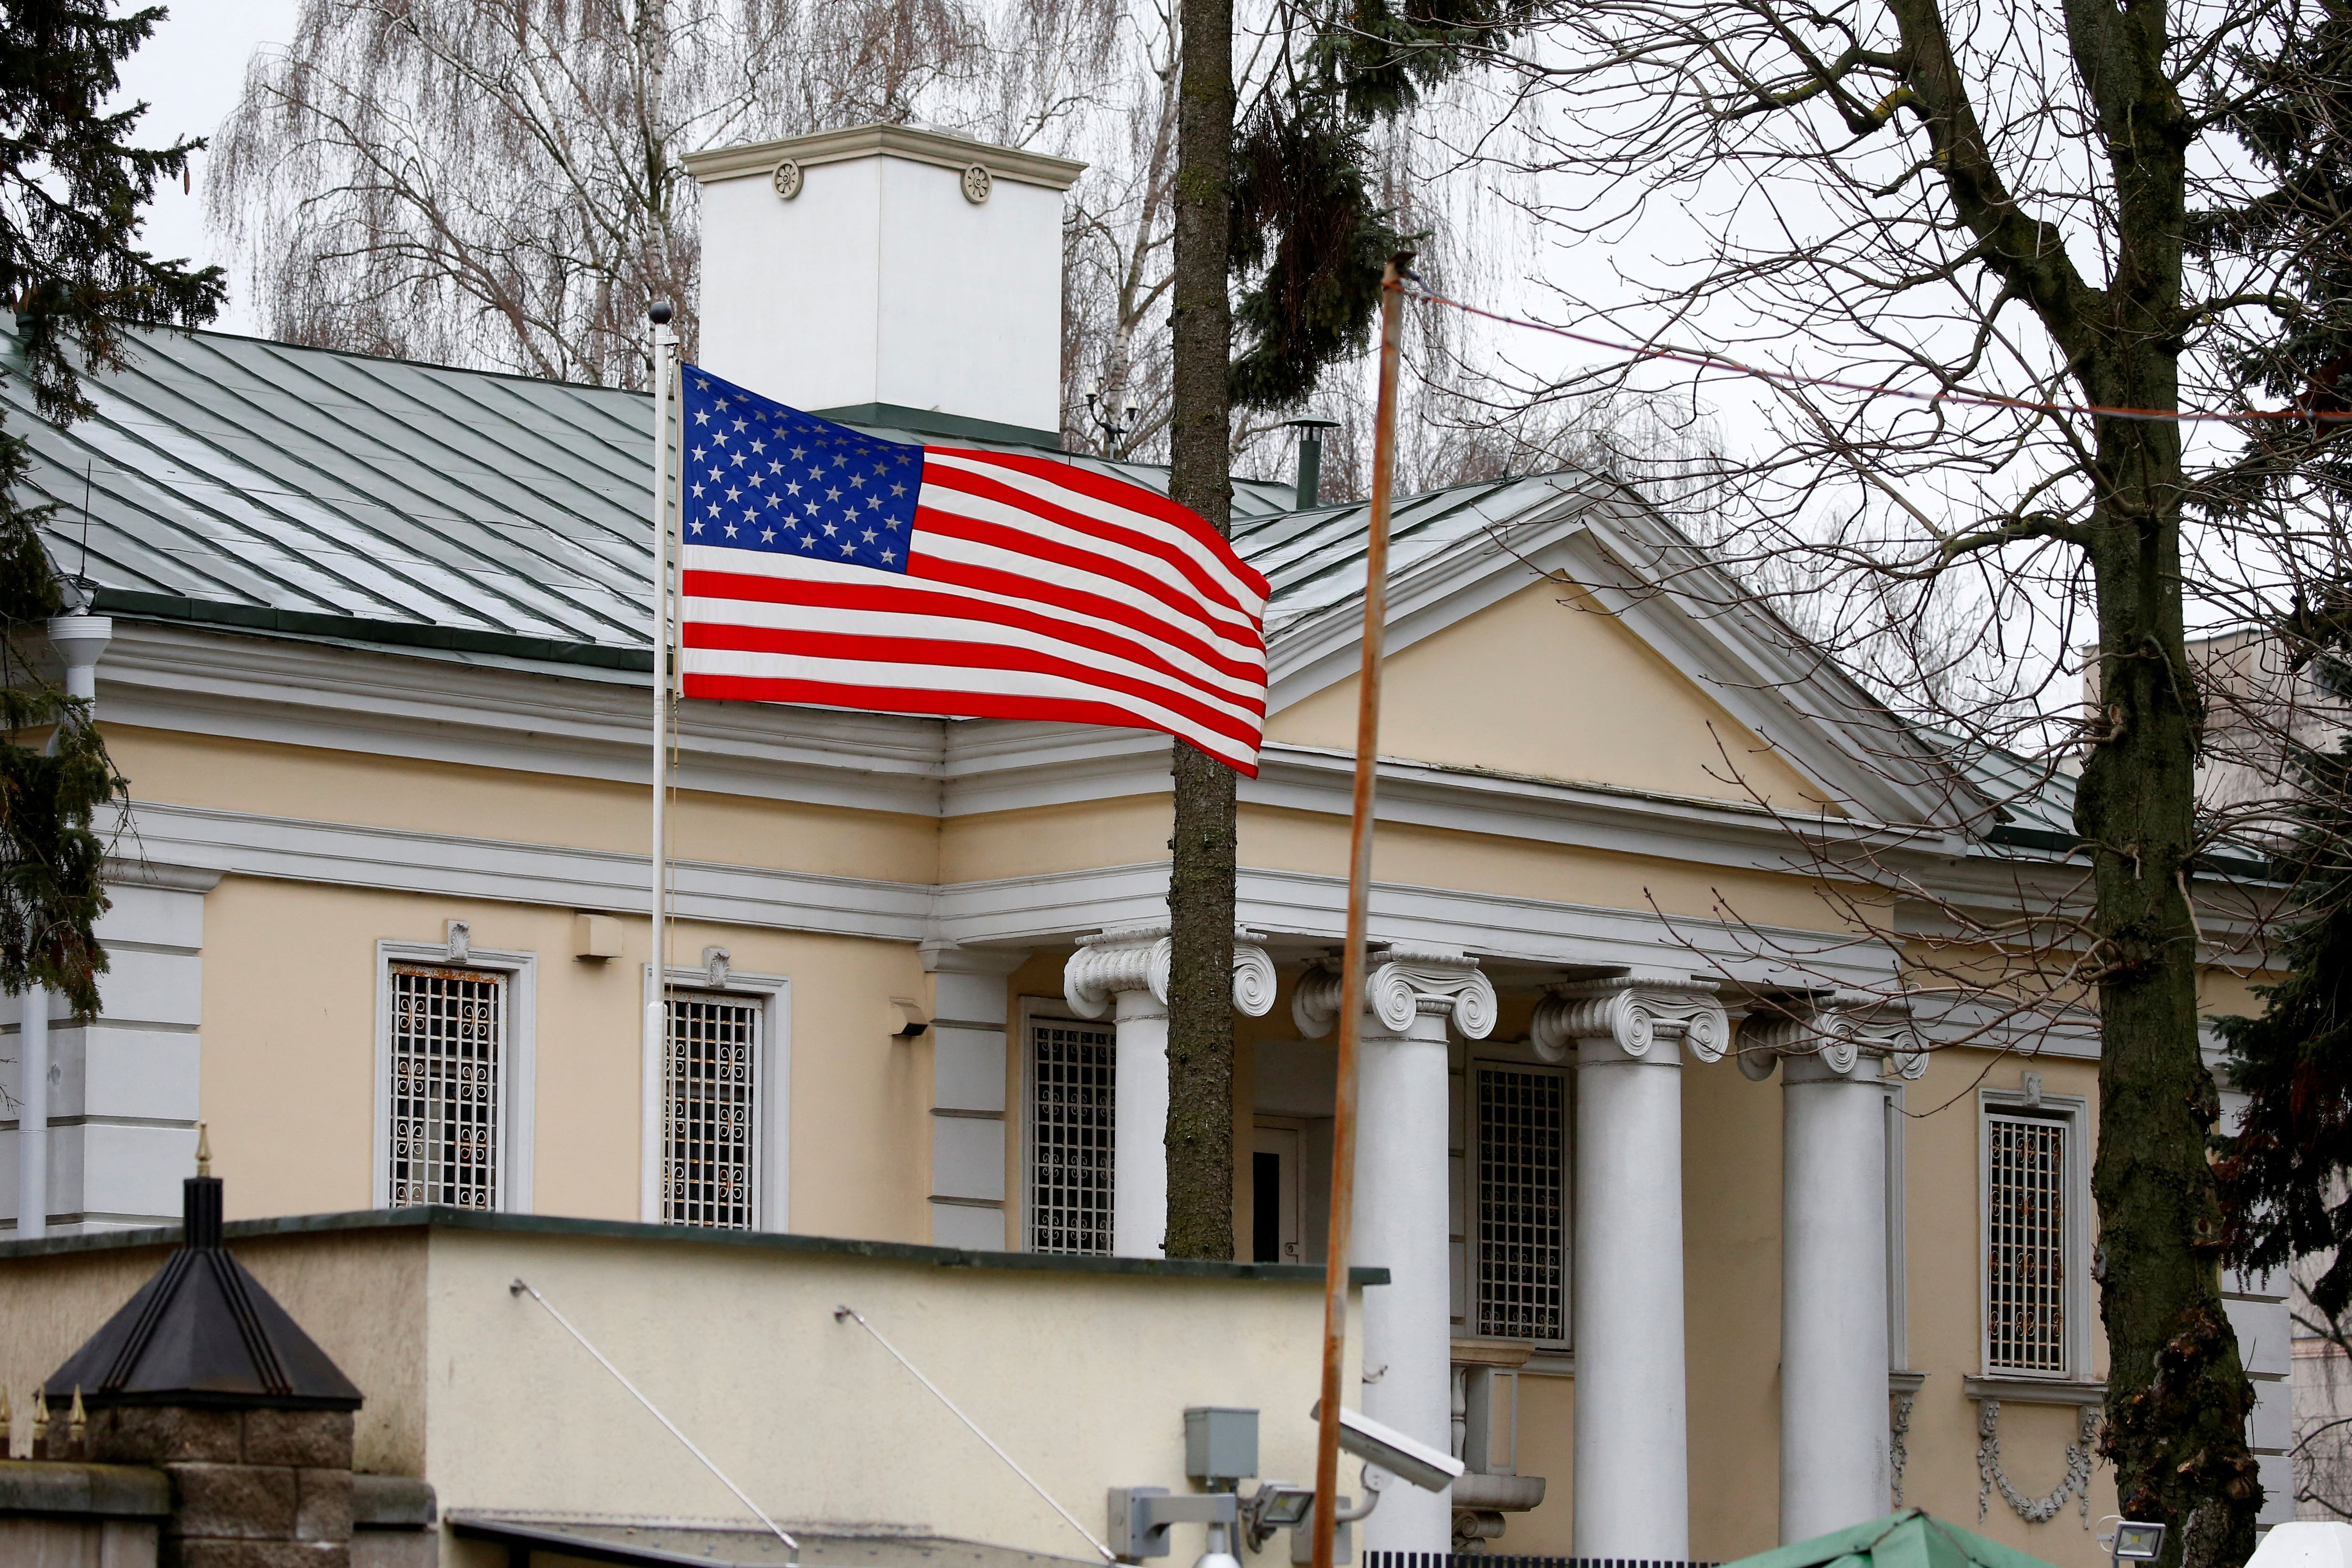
(1633, 1455)
(1400, 1214)
(1833, 1342)
(1124, 973)
(247, 1485)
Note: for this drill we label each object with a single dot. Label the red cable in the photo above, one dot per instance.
(1719, 362)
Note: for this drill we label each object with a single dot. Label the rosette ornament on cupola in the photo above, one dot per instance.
(202, 1333)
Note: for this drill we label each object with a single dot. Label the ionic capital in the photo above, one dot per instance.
(1627, 1016)
(1402, 984)
(1833, 1037)
(1137, 959)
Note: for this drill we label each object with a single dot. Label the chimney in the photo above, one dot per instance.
(889, 275)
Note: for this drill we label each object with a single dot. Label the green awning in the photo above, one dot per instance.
(1910, 1539)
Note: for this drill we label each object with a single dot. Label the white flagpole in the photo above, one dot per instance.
(657, 1031)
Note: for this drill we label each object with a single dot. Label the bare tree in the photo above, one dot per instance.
(1947, 225)
(499, 183)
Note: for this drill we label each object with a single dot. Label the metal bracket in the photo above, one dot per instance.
(1139, 1517)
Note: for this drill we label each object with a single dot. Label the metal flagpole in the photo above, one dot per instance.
(657, 1032)
(1359, 885)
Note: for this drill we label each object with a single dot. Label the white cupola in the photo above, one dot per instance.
(889, 275)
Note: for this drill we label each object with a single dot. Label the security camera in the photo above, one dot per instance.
(1431, 1470)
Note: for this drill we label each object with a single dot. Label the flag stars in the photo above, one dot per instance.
(767, 536)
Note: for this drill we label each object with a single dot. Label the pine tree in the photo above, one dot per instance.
(71, 187)
(2285, 1190)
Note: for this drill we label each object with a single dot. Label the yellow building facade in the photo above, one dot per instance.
(381, 923)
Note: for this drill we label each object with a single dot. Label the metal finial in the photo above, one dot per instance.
(203, 1151)
(660, 312)
(40, 1421)
(78, 1424)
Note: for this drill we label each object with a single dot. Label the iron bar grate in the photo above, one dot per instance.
(448, 1032)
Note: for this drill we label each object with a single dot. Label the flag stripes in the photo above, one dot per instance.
(1007, 586)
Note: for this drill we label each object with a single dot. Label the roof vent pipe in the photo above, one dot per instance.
(1310, 459)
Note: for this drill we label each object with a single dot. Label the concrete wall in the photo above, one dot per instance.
(1082, 1373)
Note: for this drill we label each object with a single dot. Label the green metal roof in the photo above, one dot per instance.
(275, 488)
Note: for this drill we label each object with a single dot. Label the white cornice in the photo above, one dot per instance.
(1297, 910)
(750, 159)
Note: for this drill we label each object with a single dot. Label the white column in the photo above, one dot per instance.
(1123, 973)
(1400, 1220)
(1833, 1346)
(1632, 1451)
(79, 641)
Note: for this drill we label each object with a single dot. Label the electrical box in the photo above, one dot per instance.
(1220, 1443)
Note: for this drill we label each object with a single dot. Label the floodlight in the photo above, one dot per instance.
(2138, 1543)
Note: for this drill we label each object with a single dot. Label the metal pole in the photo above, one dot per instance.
(657, 1032)
(1359, 885)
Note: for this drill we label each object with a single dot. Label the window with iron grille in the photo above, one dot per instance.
(710, 1073)
(1070, 1124)
(448, 1039)
(2025, 1245)
(1522, 1220)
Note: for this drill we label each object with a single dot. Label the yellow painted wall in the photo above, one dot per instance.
(1288, 840)
(1547, 684)
(1947, 1321)
(315, 784)
(289, 1055)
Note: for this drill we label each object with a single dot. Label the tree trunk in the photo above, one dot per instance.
(1200, 872)
(2178, 1396)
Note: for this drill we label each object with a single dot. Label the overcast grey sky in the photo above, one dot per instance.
(190, 73)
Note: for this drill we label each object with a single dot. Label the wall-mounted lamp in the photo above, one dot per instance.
(908, 1018)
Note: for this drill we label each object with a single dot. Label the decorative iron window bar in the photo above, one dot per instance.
(2025, 1245)
(449, 1038)
(711, 1111)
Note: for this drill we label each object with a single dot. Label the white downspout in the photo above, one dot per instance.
(79, 641)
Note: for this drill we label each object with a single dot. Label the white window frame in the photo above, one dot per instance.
(1473, 1145)
(772, 1149)
(517, 1067)
(2072, 1111)
(1032, 1013)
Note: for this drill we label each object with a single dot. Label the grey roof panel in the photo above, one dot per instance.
(238, 473)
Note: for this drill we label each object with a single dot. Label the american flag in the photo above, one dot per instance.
(823, 565)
